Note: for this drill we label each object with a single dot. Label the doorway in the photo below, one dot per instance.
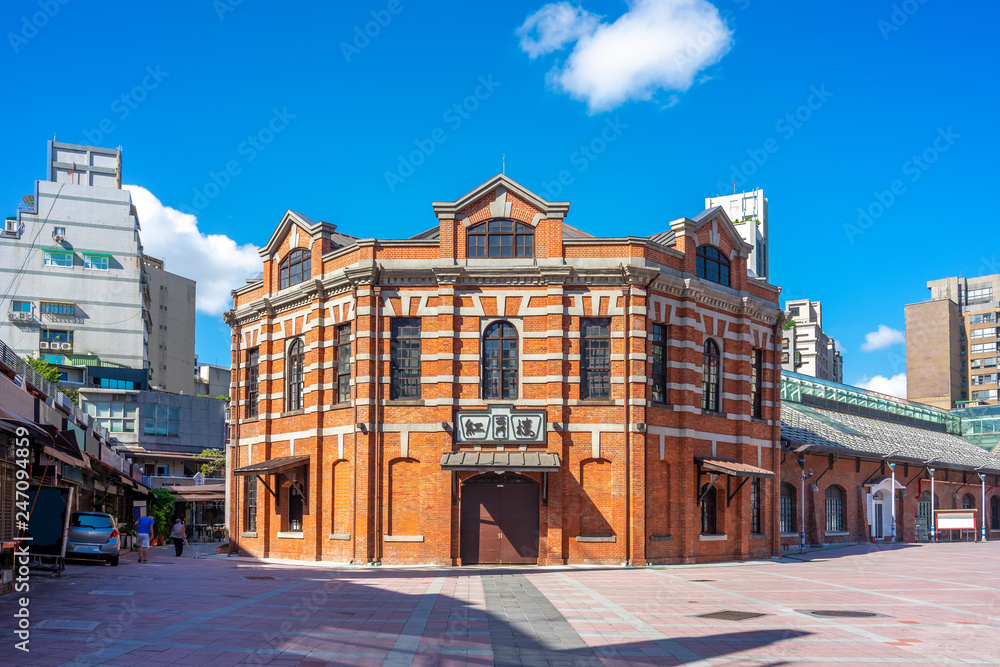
(499, 519)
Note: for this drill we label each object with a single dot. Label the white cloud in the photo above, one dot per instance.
(894, 386)
(882, 338)
(215, 261)
(555, 25)
(656, 44)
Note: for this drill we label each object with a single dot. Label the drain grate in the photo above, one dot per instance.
(843, 613)
(67, 625)
(259, 578)
(730, 615)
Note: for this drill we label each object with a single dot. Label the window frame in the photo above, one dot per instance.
(500, 376)
(834, 509)
(404, 379)
(250, 504)
(658, 360)
(589, 368)
(343, 356)
(994, 513)
(709, 509)
(712, 265)
(53, 308)
(757, 385)
(755, 507)
(711, 376)
(252, 382)
(300, 259)
(170, 420)
(89, 264)
(295, 364)
(519, 231)
(296, 510)
(49, 258)
(968, 502)
(15, 303)
(786, 510)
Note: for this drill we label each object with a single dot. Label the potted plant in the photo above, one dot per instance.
(222, 549)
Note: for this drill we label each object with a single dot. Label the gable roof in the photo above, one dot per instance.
(313, 229)
(718, 216)
(831, 431)
(556, 209)
(568, 232)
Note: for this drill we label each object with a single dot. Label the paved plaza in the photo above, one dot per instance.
(918, 604)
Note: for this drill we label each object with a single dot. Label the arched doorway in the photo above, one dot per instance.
(499, 519)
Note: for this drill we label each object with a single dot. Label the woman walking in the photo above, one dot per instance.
(179, 535)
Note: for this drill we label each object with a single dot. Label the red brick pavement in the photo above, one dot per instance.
(935, 604)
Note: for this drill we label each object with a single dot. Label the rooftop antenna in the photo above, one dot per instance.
(503, 167)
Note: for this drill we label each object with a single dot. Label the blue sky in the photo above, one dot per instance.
(308, 115)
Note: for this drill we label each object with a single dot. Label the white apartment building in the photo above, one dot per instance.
(806, 349)
(78, 288)
(748, 211)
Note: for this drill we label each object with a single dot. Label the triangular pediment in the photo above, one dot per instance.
(498, 198)
(295, 224)
(720, 224)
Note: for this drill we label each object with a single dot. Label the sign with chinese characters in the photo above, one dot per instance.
(500, 425)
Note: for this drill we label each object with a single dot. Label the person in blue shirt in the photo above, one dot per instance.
(144, 530)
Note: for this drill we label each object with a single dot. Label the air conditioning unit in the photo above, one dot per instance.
(43, 345)
(58, 239)
(67, 347)
(13, 316)
(25, 317)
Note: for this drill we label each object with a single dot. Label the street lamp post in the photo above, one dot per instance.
(892, 467)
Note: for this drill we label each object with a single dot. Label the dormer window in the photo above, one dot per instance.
(713, 265)
(501, 238)
(295, 268)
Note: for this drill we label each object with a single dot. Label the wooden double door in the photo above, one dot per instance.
(499, 519)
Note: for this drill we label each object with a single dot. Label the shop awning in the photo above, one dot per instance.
(518, 461)
(63, 446)
(272, 466)
(197, 497)
(732, 468)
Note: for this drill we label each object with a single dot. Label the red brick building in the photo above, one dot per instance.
(505, 388)
(879, 468)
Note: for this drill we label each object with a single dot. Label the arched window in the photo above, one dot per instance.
(994, 513)
(500, 238)
(295, 268)
(709, 525)
(294, 366)
(713, 265)
(711, 376)
(968, 502)
(834, 509)
(787, 508)
(500, 361)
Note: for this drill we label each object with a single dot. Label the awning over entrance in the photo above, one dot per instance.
(199, 496)
(516, 461)
(273, 466)
(732, 468)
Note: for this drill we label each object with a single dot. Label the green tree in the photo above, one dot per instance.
(216, 461)
(161, 507)
(52, 374)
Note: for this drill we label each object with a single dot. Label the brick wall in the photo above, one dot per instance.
(375, 487)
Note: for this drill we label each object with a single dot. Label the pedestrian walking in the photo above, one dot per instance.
(179, 535)
(144, 531)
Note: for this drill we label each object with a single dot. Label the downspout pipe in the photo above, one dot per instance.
(776, 436)
(626, 291)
